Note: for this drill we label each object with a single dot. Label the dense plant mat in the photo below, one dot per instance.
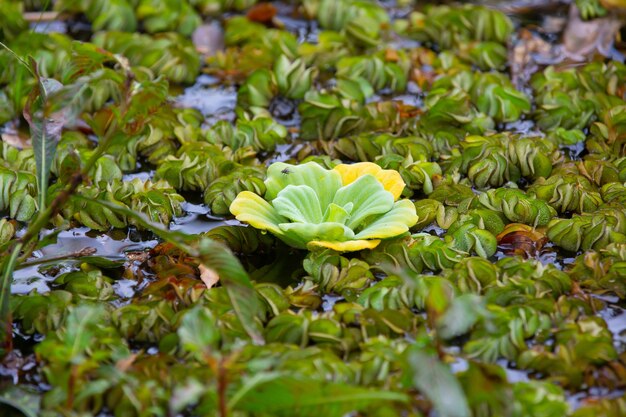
(312, 208)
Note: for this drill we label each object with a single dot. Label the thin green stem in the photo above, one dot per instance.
(88, 251)
(8, 271)
(43, 9)
(20, 59)
(6, 331)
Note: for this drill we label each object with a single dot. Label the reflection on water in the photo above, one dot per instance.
(216, 102)
(69, 244)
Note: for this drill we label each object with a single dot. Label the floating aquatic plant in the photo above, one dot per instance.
(18, 193)
(168, 54)
(289, 79)
(589, 231)
(360, 21)
(7, 230)
(348, 208)
(156, 200)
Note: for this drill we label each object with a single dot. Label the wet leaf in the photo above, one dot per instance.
(520, 239)
(45, 130)
(435, 380)
(17, 402)
(282, 395)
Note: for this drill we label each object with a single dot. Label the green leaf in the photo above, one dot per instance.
(7, 231)
(45, 131)
(324, 182)
(368, 196)
(198, 331)
(463, 313)
(298, 203)
(79, 329)
(22, 205)
(234, 278)
(251, 208)
(306, 232)
(337, 214)
(18, 402)
(395, 222)
(278, 394)
(436, 382)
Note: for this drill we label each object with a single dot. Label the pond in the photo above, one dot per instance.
(313, 207)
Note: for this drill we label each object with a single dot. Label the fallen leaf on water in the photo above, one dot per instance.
(88, 251)
(528, 54)
(613, 4)
(525, 7)
(391, 55)
(17, 140)
(138, 256)
(521, 239)
(208, 276)
(584, 39)
(262, 13)
(38, 17)
(124, 364)
(406, 111)
(423, 78)
(208, 39)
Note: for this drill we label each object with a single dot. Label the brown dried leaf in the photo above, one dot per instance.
(208, 276)
(208, 39)
(138, 256)
(526, 7)
(124, 364)
(613, 4)
(521, 239)
(17, 140)
(424, 79)
(584, 39)
(528, 54)
(391, 55)
(262, 13)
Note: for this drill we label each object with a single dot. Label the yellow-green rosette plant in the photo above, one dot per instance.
(348, 208)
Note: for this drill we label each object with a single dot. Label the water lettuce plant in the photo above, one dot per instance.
(347, 208)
